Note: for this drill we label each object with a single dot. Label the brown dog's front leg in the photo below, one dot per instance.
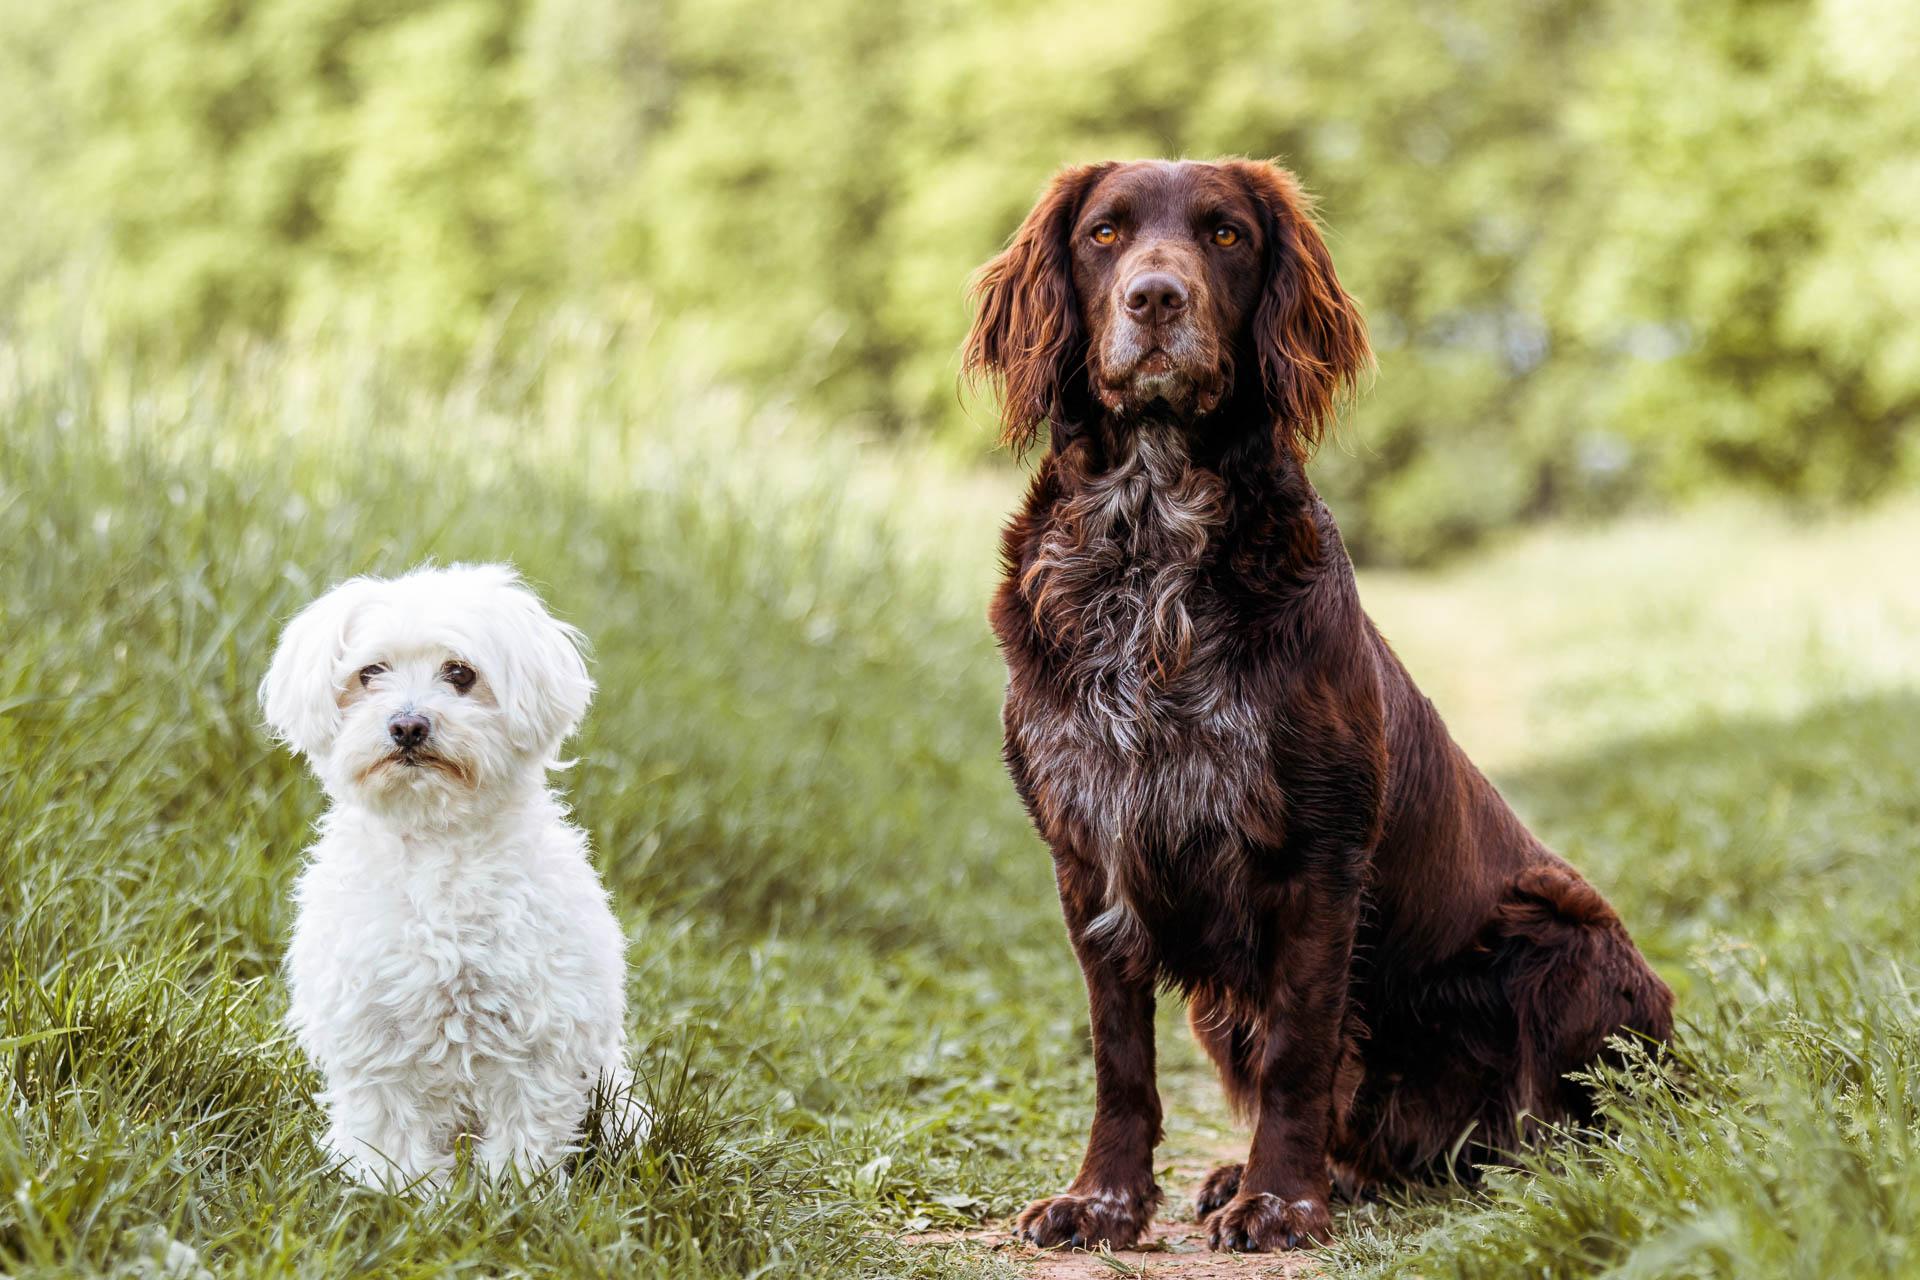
(1281, 1202)
(1114, 1197)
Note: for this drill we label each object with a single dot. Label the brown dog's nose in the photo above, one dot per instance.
(1155, 296)
(409, 729)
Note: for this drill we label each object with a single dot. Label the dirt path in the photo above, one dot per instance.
(1199, 1136)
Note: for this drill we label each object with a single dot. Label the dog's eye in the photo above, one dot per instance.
(1224, 236)
(368, 673)
(459, 675)
(1105, 233)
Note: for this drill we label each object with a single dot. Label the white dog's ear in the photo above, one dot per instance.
(301, 691)
(543, 684)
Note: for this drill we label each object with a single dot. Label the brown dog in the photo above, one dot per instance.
(1246, 796)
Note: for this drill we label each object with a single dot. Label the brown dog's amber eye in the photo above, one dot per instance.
(1224, 236)
(368, 673)
(459, 675)
(1105, 233)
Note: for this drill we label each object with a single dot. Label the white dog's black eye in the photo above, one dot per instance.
(459, 675)
(368, 673)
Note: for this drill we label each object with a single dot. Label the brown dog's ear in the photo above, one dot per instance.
(1027, 335)
(1311, 339)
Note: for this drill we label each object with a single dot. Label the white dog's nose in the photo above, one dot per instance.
(409, 729)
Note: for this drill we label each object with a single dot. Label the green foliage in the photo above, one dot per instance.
(850, 991)
(817, 958)
(1780, 857)
(1753, 220)
(1610, 253)
(267, 165)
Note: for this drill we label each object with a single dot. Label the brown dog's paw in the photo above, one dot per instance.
(1264, 1223)
(1220, 1186)
(1085, 1220)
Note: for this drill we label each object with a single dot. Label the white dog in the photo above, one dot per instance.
(456, 972)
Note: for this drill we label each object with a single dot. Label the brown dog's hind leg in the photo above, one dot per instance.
(1220, 1185)
(1575, 980)
(1231, 1045)
(1467, 1060)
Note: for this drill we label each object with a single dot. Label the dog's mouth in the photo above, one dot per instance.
(1147, 369)
(412, 761)
(1155, 374)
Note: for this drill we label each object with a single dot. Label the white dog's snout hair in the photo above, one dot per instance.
(456, 971)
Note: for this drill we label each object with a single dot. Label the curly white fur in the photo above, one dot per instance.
(456, 972)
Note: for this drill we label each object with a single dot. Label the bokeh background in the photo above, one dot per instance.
(660, 301)
(1613, 252)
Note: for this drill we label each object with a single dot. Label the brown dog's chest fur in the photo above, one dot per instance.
(1131, 714)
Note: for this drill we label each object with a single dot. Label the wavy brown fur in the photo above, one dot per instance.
(1247, 798)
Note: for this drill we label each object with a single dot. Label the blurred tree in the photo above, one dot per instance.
(1609, 251)
(1745, 264)
(253, 163)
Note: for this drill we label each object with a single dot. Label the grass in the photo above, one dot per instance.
(1768, 866)
(850, 989)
